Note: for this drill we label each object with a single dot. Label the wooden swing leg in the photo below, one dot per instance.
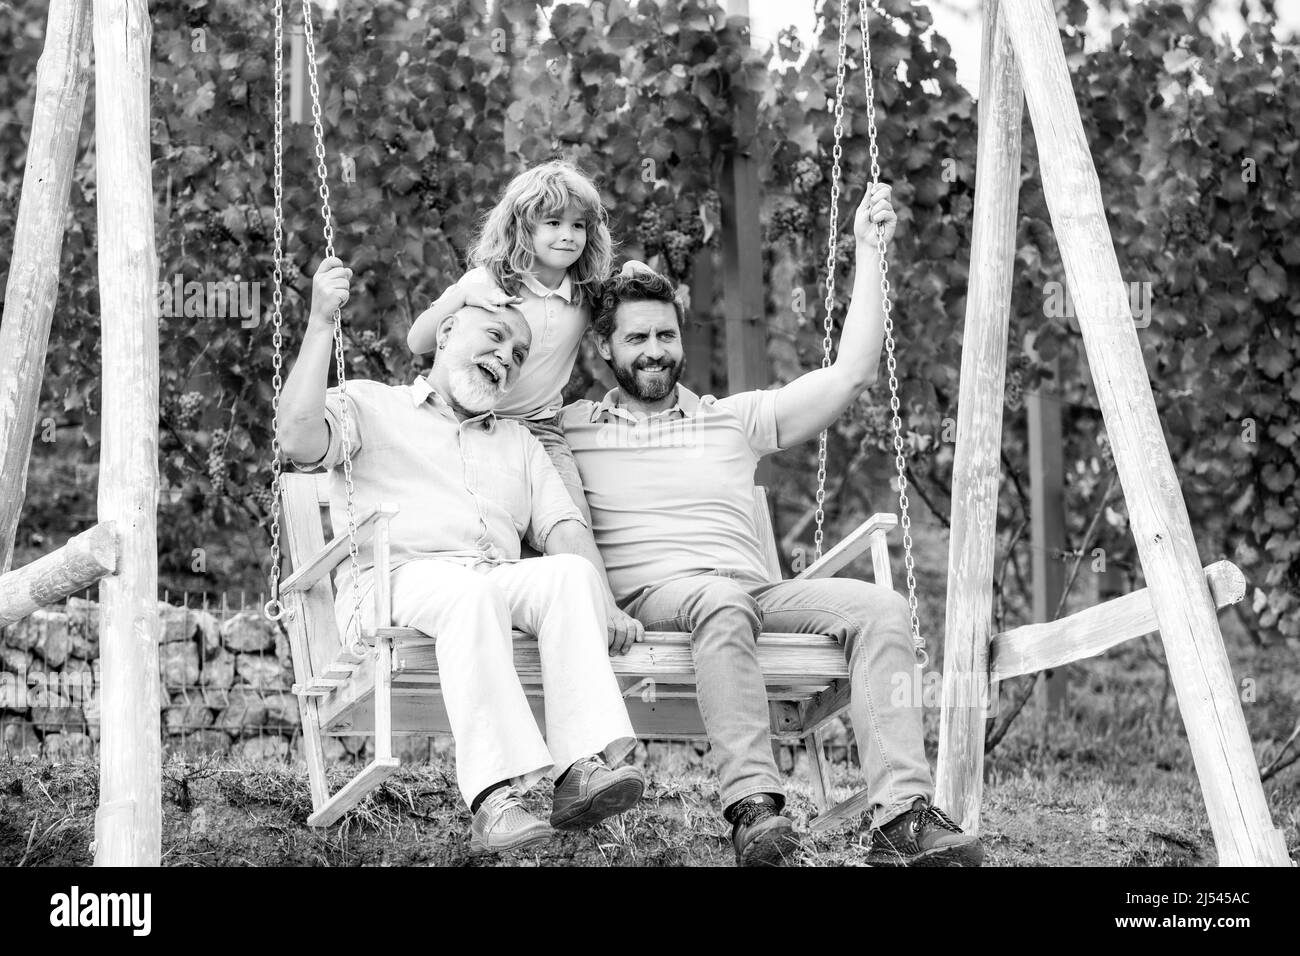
(818, 771)
(385, 764)
(313, 751)
(376, 772)
(832, 814)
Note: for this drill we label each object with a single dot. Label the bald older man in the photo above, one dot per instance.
(469, 486)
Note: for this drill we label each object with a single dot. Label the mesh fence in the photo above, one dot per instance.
(225, 687)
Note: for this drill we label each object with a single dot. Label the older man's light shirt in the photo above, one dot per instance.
(673, 494)
(467, 491)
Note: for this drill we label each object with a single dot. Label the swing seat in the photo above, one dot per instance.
(394, 687)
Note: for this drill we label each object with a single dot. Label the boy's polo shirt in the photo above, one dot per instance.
(673, 495)
(557, 325)
(467, 491)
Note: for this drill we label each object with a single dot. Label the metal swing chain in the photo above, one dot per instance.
(827, 322)
(273, 609)
(905, 521)
(357, 645)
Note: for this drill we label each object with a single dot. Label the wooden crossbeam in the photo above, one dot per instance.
(81, 562)
(1036, 647)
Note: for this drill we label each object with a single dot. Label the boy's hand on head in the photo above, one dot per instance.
(490, 299)
(875, 209)
(330, 288)
(633, 266)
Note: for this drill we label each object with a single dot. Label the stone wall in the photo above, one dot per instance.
(225, 680)
(224, 683)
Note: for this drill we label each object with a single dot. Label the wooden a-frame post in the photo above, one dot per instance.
(128, 826)
(1021, 40)
(62, 76)
(976, 470)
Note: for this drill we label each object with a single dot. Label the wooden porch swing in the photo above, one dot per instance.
(392, 687)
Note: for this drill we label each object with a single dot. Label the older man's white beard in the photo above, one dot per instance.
(470, 391)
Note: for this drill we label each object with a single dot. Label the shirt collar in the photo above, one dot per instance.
(531, 283)
(687, 403)
(422, 391)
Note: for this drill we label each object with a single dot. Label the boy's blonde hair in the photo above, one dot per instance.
(504, 245)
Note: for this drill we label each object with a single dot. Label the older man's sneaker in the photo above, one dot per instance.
(501, 823)
(591, 791)
(760, 835)
(923, 836)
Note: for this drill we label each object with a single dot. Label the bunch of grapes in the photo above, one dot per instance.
(650, 228)
(216, 229)
(1105, 450)
(217, 460)
(805, 175)
(678, 247)
(429, 187)
(187, 408)
(878, 431)
(262, 495)
(692, 227)
(1187, 222)
(429, 195)
(844, 249)
(961, 207)
(790, 219)
(1015, 389)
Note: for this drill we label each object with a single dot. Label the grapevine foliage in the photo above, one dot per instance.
(436, 106)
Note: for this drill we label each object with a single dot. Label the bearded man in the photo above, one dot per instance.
(669, 478)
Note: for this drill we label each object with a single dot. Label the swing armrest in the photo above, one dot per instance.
(335, 551)
(870, 534)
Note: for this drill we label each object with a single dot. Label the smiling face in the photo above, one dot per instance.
(559, 238)
(644, 349)
(479, 358)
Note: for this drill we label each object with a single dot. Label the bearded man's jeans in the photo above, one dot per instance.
(725, 613)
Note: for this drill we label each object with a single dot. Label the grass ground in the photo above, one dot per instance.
(1113, 785)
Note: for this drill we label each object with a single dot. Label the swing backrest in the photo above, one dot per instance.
(306, 518)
